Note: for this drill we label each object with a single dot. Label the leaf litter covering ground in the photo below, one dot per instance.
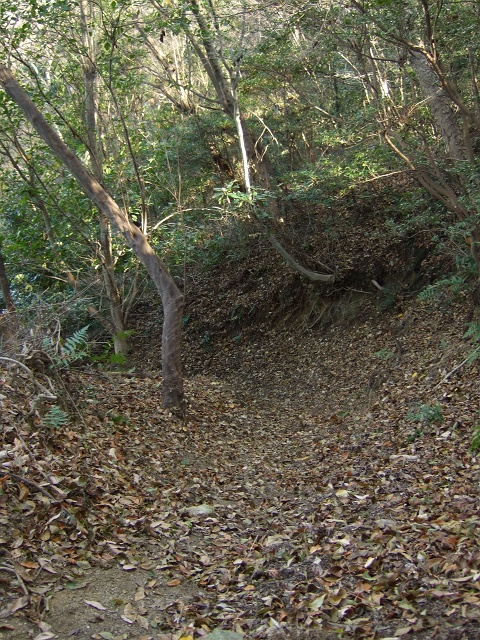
(298, 501)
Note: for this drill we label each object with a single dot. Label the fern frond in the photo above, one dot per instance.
(76, 342)
(73, 349)
(473, 331)
(55, 418)
(473, 355)
(445, 288)
(475, 444)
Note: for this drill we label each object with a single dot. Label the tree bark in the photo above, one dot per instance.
(8, 321)
(441, 106)
(456, 137)
(224, 85)
(96, 161)
(5, 287)
(172, 298)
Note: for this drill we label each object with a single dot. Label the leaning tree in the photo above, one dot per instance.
(172, 298)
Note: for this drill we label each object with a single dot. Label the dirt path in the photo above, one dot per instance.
(285, 507)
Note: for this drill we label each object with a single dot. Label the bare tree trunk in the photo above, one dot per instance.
(456, 137)
(258, 159)
(40, 204)
(8, 321)
(5, 287)
(439, 90)
(111, 287)
(441, 106)
(172, 298)
(437, 186)
(224, 83)
(96, 162)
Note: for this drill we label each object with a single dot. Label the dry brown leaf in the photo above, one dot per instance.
(95, 605)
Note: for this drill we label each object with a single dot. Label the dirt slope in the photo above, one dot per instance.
(331, 510)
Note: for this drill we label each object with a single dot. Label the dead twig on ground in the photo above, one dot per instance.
(45, 393)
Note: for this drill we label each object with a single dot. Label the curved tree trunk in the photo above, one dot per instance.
(172, 298)
(441, 106)
(455, 137)
(289, 259)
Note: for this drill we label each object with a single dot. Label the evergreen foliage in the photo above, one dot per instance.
(473, 332)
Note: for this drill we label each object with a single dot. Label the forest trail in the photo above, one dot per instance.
(298, 500)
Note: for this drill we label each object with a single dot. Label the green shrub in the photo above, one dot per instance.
(445, 290)
(427, 414)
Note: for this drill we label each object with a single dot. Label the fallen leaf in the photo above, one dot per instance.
(23, 492)
(317, 603)
(143, 622)
(95, 605)
(76, 585)
(46, 566)
(201, 510)
(19, 603)
(139, 594)
(274, 540)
